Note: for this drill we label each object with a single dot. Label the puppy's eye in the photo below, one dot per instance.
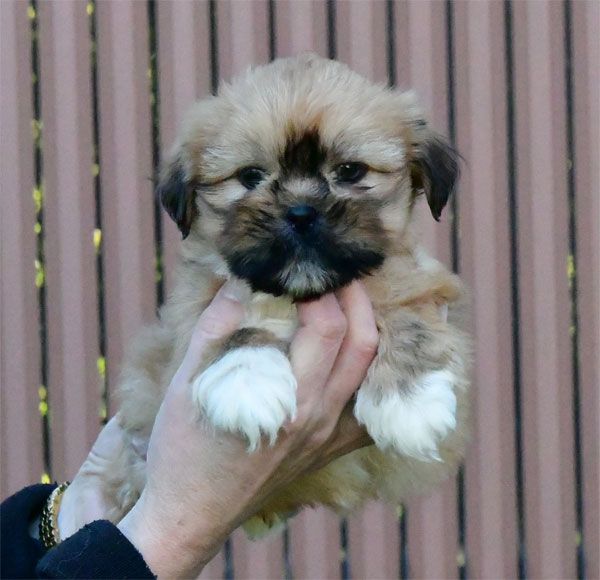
(250, 177)
(350, 172)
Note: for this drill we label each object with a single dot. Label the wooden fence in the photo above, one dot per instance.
(93, 91)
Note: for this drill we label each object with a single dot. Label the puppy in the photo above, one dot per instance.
(299, 177)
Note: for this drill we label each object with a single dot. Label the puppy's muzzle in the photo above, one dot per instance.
(302, 247)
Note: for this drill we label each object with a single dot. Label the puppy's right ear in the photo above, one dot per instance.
(177, 195)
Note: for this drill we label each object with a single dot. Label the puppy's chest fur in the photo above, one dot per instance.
(276, 315)
(412, 283)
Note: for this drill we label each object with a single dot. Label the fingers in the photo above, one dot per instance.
(331, 351)
(220, 319)
(358, 348)
(316, 344)
(110, 440)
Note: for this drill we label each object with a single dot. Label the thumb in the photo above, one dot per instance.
(221, 318)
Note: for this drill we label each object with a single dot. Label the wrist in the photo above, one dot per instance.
(81, 505)
(172, 546)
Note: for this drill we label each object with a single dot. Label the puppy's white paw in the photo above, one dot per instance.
(250, 390)
(414, 422)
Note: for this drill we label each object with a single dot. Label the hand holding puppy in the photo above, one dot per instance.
(200, 484)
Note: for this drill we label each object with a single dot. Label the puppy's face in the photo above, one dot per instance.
(301, 175)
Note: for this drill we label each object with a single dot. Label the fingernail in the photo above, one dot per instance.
(236, 290)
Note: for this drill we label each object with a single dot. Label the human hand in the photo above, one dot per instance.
(201, 485)
(85, 500)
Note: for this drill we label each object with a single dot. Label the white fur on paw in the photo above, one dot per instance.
(250, 390)
(411, 423)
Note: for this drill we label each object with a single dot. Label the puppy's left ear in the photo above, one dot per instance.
(434, 168)
(177, 195)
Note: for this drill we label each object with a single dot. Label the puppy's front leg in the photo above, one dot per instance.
(250, 388)
(408, 401)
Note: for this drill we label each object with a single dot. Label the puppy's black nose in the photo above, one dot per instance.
(301, 217)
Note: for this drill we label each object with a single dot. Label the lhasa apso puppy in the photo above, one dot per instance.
(297, 178)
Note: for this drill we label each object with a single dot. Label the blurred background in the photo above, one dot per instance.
(92, 93)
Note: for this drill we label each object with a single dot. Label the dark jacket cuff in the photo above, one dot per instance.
(19, 551)
(98, 550)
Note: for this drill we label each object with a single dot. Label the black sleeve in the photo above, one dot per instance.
(99, 550)
(19, 552)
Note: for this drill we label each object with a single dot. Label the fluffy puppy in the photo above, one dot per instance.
(299, 177)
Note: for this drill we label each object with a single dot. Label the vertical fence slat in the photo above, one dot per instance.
(126, 170)
(432, 535)
(314, 534)
(184, 69)
(69, 221)
(300, 27)
(484, 231)
(421, 64)
(374, 543)
(21, 443)
(243, 35)
(243, 40)
(365, 21)
(315, 550)
(586, 51)
(257, 558)
(544, 295)
(185, 76)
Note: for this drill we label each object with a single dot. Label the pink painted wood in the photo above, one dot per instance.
(21, 445)
(69, 221)
(374, 538)
(315, 550)
(184, 76)
(314, 534)
(243, 40)
(363, 20)
(484, 230)
(421, 65)
(184, 69)
(126, 172)
(258, 559)
(300, 27)
(243, 35)
(543, 255)
(375, 542)
(586, 52)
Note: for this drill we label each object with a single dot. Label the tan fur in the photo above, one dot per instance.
(249, 123)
